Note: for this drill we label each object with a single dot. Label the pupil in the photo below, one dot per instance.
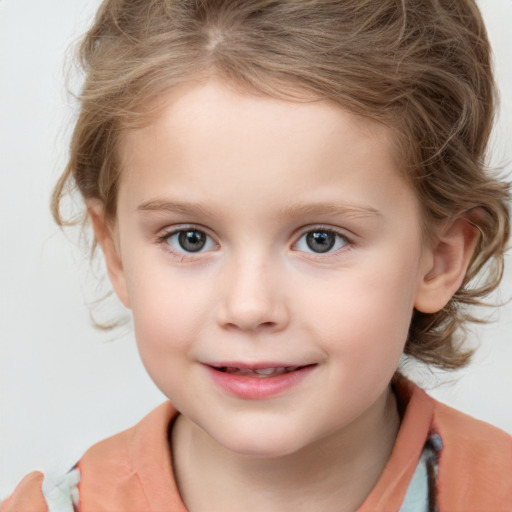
(192, 241)
(320, 241)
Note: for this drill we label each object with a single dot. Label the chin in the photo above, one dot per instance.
(263, 444)
(262, 450)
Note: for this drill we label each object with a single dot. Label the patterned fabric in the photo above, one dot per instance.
(132, 470)
(421, 494)
(64, 496)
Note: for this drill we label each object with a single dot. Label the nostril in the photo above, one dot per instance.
(251, 312)
(256, 326)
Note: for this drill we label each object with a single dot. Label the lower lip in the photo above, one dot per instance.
(258, 388)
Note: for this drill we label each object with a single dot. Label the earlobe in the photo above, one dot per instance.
(109, 248)
(447, 265)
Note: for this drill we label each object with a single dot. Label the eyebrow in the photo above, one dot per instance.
(291, 211)
(330, 208)
(162, 205)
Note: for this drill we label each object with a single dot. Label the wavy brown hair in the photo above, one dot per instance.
(421, 67)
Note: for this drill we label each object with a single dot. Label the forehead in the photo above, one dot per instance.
(209, 136)
(217, 104)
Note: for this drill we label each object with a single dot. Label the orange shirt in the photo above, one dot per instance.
(132, 471)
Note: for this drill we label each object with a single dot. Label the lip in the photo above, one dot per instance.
(257, 388)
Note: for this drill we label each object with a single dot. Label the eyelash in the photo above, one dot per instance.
(347, 242)
(183, 254)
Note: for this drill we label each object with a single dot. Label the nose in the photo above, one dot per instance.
(252, 298)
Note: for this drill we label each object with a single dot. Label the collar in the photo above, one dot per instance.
(132, 471)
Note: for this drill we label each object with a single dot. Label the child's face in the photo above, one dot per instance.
(255, 233)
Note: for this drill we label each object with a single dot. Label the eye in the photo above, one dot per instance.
(321, 241)
(189, 240)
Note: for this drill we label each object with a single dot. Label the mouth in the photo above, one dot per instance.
(258, 381)
(262, 372)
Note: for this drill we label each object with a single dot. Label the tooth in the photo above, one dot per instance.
(259, 372)
(266, 371)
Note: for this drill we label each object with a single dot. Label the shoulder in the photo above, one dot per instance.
(108, 475)
(132, 470)
(472, 438)
(475, 463)
(463, 428)
(474, 459)
(119, 453)
(456, 428)
(29, 495)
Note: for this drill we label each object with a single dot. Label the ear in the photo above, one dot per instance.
(110, 249)
(446, 266)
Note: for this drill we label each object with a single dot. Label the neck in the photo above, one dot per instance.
(334, 474)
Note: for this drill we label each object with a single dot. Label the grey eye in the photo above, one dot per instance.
(190, 240)
(320, 241)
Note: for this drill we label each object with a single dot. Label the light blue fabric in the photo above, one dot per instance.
(416, 499)
(62, 497)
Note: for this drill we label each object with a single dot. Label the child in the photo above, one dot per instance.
(289, 195)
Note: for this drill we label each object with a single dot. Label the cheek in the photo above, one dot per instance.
(365, 316)
(166, 326)
(165, 317)
(170, 314)
(166, 310)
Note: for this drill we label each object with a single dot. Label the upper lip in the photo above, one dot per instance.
(256, 366)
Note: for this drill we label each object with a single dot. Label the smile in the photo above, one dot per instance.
(258, 372)
(257, 382)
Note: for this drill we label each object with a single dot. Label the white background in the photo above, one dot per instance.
(63, 384)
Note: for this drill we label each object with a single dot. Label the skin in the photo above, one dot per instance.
(256, 174)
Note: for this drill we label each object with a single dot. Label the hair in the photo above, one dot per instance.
(421, 67)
